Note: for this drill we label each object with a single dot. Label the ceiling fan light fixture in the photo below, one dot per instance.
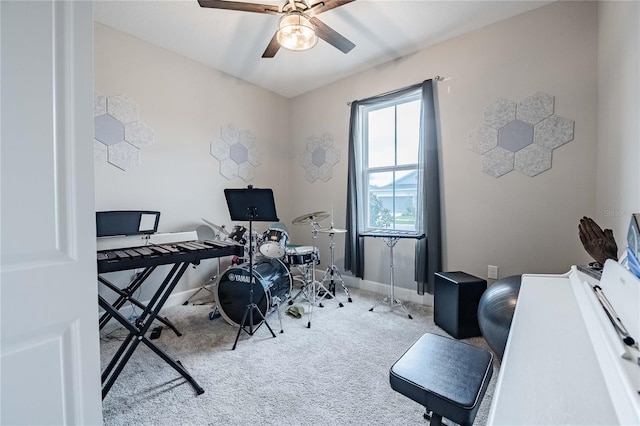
(296, 32)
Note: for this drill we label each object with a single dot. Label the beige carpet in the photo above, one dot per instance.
(334, 373)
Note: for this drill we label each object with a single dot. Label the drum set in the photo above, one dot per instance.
(276, 262)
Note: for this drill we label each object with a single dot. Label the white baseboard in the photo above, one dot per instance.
(174, 299)
(403, 294)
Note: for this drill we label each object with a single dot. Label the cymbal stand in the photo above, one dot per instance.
(332, 272)
(316, 286)
(205, 286)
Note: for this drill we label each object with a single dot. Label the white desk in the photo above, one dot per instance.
(562, 363)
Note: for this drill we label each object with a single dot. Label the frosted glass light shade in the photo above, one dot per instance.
(296, 32)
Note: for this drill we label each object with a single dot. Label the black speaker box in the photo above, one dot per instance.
(455, 305)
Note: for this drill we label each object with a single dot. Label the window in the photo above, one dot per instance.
(389, 163)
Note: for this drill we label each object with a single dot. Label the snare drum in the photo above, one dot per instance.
(274, 243)
(304, 255)
(272, 286)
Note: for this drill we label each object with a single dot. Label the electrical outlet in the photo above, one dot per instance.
(492, 272)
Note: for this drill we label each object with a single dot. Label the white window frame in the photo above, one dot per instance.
(366, 171)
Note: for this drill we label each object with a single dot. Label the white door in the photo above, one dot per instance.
(49, 348)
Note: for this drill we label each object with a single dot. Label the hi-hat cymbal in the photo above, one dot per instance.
(310, 217)
(333, 231)
(216, 227)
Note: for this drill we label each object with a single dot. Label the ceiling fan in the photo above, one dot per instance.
(298, 28)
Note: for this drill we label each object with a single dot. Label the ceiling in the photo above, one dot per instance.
(233, 41)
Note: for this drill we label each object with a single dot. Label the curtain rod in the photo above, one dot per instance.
(436, 78)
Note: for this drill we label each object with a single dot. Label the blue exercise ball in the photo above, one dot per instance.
(495, 311)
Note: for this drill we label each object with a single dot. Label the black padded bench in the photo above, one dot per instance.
(446, 376)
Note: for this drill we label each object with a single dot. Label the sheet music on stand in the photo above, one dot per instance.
(252, 204)
(393, 233)
(391, 237)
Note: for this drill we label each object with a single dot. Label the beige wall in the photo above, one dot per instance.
(520, 224)
(186, 104)
(618, 116)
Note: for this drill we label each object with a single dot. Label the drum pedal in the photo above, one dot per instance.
(214, 314)
(155, 333)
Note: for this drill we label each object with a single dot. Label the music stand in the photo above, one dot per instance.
(251, 204)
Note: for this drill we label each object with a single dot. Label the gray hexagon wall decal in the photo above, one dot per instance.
(237, 153)
(116, 125)
(108, 130)
(319, 158)
(520, 136)
(515, 135)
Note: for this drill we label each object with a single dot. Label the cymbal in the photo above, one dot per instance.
(333, 231)
(216, 227)
(310, 217)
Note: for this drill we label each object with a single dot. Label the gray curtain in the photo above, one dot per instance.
(354, 243)
(428, 250)
(354, 250)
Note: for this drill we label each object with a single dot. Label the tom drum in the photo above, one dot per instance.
(274, 243)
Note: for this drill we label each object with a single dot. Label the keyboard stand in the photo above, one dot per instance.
(139, 328)
(391, 237)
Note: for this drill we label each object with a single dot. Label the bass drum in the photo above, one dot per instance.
(272, 285)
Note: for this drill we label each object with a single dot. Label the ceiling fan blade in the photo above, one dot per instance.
(325, 5)
(331, 36)
(272, 48)
(241, 6)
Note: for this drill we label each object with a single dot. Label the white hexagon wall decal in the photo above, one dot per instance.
(319, 158)
(99, 104)
(333, 155)
(312, 174)
(122, 108)
(254, 156)
(236, 151)
(99, 152)
(553, 132)
(123, 155)
(535, 108)
(246, 171)
(532, 160)
(482, 139)
(525, 142)
(229, 168)
(138, 134)
(220, 149)
(500, 113)
(497, 162)
(116, 123)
